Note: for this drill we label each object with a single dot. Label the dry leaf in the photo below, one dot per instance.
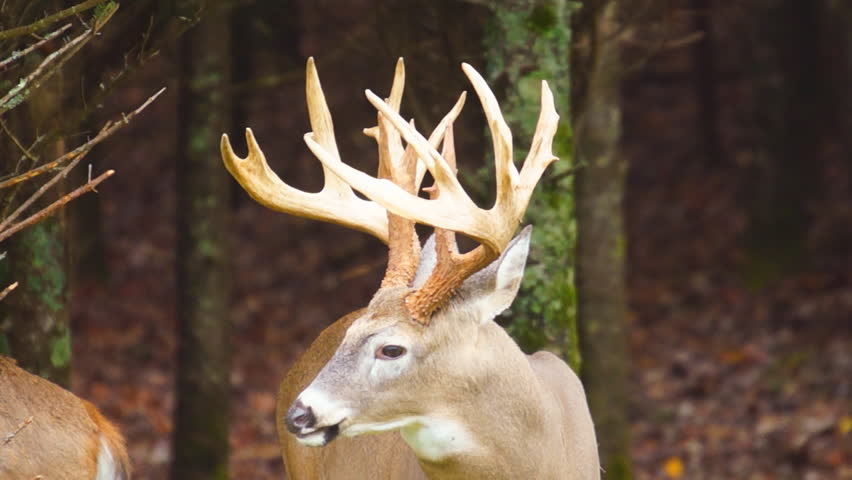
(673, 467)
(844, 425)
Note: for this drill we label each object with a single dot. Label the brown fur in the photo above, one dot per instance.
(62, 441)
(529, 413)
(374, 457)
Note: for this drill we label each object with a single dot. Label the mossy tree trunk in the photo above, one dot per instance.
(202, 413)
(601, 242)
(528, 41)
(35, 319)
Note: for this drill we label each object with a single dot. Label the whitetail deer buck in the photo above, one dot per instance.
(46, 432)
(425, 356)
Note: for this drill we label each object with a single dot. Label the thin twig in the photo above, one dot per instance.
(41, 214)
(22, 426)
(17, 142)
(7, 290)
(9, 198)
(48, 20)
(77, 154)
(55, 60)
(17, 55)
(35, 172)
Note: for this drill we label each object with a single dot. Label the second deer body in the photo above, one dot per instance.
(49, 433)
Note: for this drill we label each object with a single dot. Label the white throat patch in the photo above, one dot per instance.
(435, 438)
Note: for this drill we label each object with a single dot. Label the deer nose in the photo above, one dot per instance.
(299, 417)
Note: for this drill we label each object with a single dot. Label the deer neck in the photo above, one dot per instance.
(497, 427)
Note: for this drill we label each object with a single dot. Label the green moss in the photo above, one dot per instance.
(60, 348)
(104, 11)
(527, 42)
(46, 278)
(620, 247)
(618, 468)
(4, 345)
(542, 19)
(563, 142)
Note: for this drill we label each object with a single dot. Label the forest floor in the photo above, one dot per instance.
(732, 378)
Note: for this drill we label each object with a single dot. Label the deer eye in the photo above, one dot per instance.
(390, 352)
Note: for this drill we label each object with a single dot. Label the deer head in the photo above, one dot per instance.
(427, 317)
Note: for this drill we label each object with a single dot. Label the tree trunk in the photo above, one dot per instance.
(601, 242)
(202, 413)
(35, 316)
(528, 41)
(705, 82)
(789, 94)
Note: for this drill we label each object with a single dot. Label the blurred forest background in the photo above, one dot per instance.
(703, 209)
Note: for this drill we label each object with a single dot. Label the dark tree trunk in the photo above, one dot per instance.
(789, 89)
(705, 82)
(528, 41)
(601, 241)
(202, 413)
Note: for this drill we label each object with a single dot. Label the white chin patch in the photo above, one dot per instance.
(315, 439)
(364, 428)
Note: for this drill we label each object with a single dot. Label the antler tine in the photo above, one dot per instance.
(501, 135)
(391, 159)
(540, 155)
(398, 166)
(335, 203)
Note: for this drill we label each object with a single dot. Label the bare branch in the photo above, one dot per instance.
(51, 64)
(17, 142)
(50, 19)
(41, 214)
(7, 290)
(34, 172)
(19, 54)
(75, 156)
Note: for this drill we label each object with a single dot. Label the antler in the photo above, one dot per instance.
(453, 209)
(335, 203)
(394, 207)
(398, 166)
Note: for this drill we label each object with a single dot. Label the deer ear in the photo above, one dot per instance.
(493, 289)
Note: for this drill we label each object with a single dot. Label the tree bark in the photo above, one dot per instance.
(202, 413)
(601, 241)
(528, 41)
(705, 82)
(789, 88)
(35, 320)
